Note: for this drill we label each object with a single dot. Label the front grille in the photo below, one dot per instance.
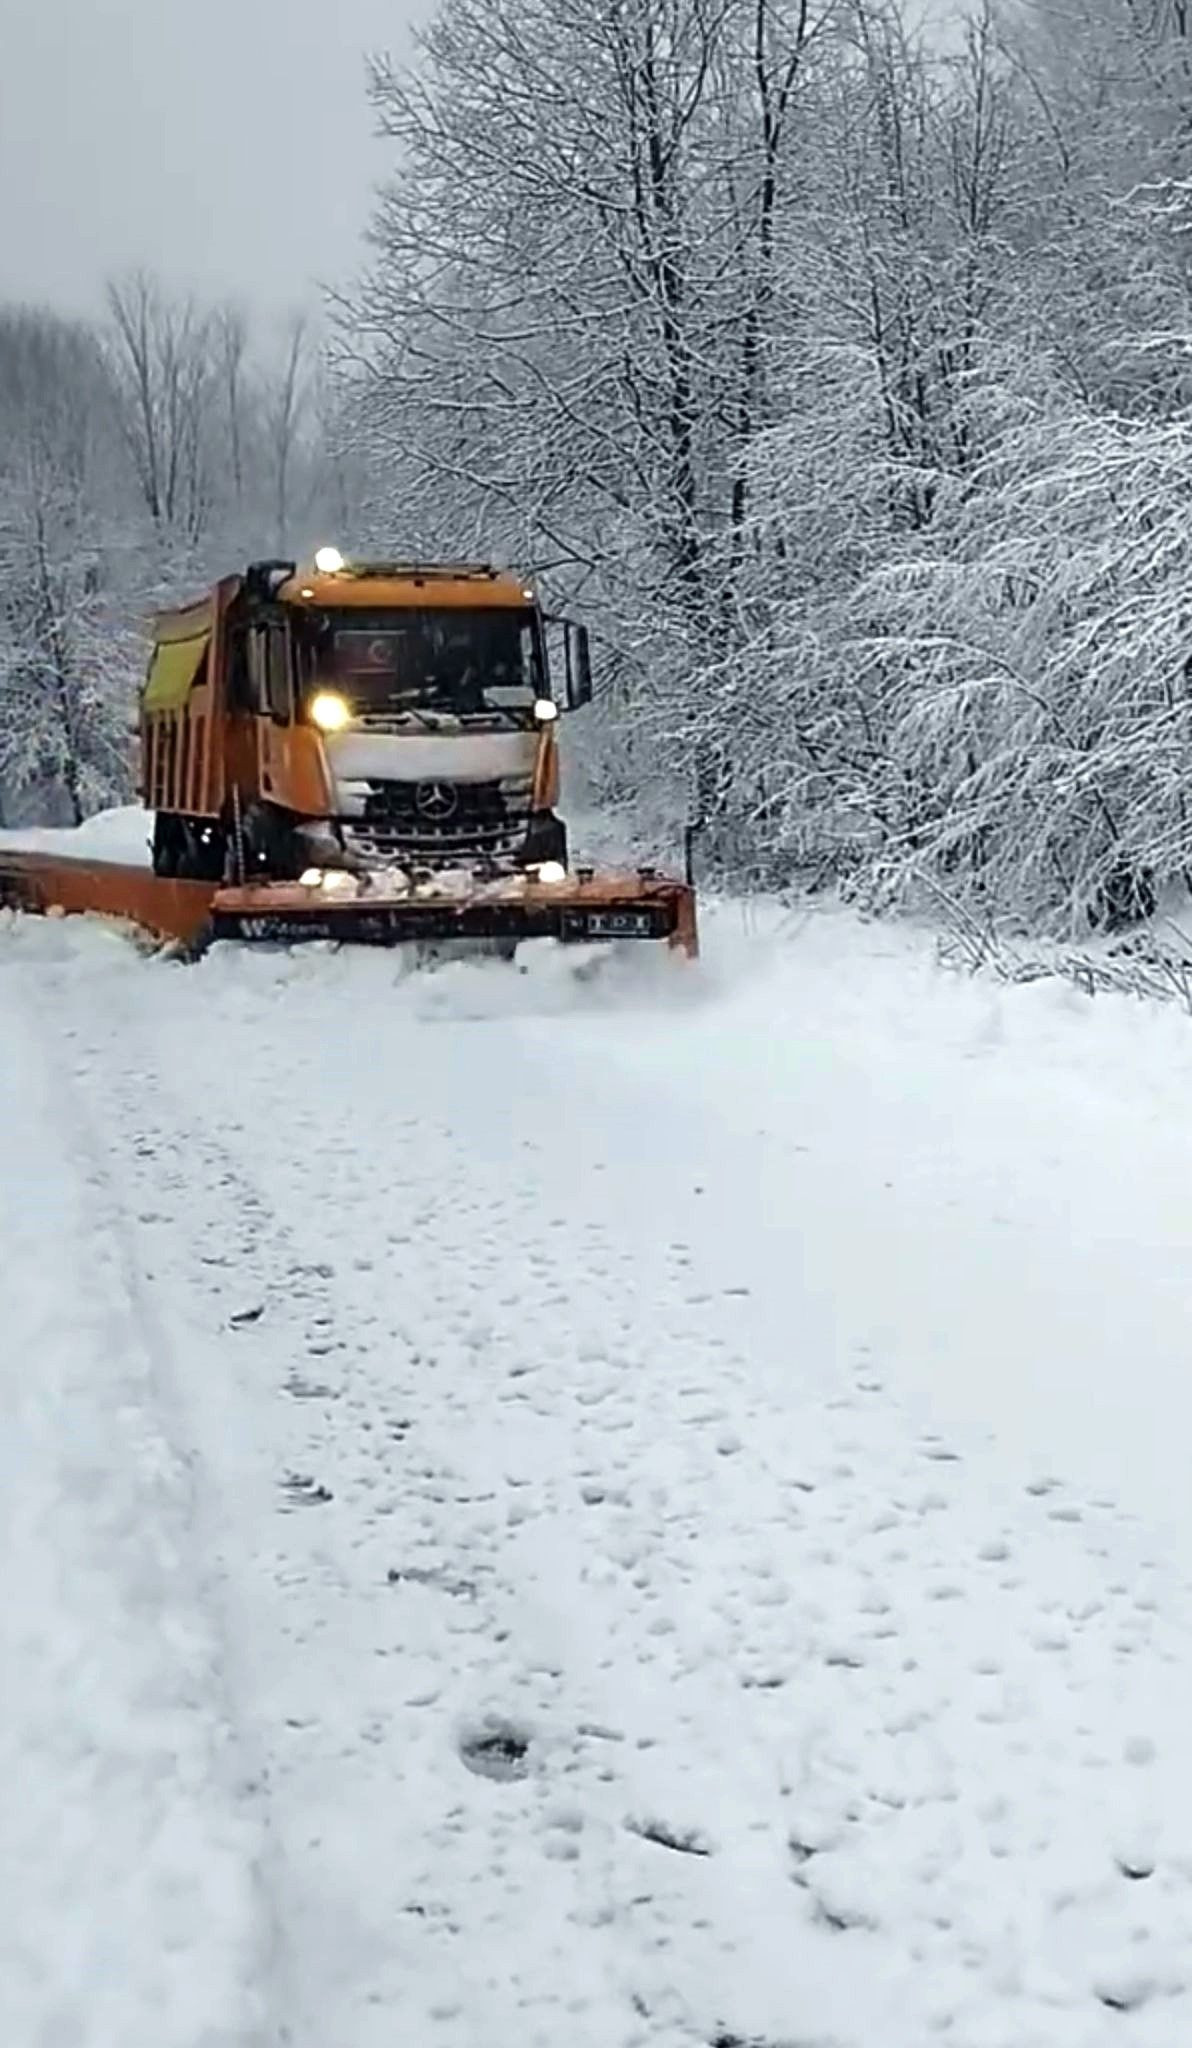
(442, 824)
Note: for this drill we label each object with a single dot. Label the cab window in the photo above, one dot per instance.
(269, 692)
(277, 673)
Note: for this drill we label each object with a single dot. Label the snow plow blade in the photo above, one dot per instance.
(582, 910)
(166, 910)
(587, 908)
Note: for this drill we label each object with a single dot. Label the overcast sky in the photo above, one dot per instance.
(225, 143)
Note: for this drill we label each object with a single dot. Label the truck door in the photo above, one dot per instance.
(291, 768)
(276, 704)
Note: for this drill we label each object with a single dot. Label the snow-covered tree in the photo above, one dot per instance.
(139, 458)
(1035, 669)
(563, 348)
(67, 657)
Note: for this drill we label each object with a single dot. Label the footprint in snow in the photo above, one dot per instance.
(496, 1749)
(310, 1390)
(302, 1491)
(684, 1841)
(730, 2040)
(438, 1581)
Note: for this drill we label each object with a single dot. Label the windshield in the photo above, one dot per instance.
(455, 663)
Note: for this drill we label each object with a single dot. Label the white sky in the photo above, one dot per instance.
(226, 144)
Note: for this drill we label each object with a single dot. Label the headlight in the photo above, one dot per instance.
(329, 711)
(545, 711)
(551, 871)
(328, 561)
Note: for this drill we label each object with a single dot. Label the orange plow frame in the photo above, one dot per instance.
(588, 907)
(166, 909)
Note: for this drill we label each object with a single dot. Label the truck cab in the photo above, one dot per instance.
(362, 714)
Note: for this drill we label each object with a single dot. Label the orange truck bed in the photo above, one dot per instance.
(589, 907)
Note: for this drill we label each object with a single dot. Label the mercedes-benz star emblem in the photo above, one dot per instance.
(435, 801)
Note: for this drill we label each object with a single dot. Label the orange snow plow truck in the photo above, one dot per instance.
(365, 752)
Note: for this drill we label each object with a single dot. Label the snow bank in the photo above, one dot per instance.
(927, 1141)
(125, 834)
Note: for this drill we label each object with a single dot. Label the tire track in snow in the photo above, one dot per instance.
(132, 1912)
(319, 1419)
(160, 1172)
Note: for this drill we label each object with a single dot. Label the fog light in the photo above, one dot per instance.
(551, 871)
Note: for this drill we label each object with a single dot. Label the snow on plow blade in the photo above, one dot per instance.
(584, 909)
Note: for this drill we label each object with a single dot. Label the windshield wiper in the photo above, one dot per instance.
(416, 714)
(501, 712)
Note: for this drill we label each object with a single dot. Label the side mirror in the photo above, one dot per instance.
(264, 579)
(579, 666)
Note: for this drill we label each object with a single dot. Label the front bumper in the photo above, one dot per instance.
(586, 908)
(603, 910)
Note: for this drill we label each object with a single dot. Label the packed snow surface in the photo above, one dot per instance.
(642, 1511)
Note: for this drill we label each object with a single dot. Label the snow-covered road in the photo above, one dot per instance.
(592, 1517)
